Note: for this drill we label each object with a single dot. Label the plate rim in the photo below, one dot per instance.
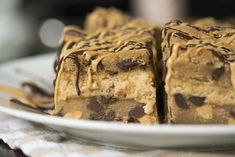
(178, 129)
(120, 127)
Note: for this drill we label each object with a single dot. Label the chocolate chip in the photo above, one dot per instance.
(180, 101)
(111, 72)
(132, 120)
(126, 64)
(232, 112)
(197, 100)
(94, 105)
(217, 73)
(136, 112)
(110, 116)
(119, 119)
(107, 99)
(97, 116)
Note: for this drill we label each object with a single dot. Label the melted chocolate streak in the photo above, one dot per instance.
(74, 57)
(127, 44)
(71, 45)
(75, 33)
(227, 58)
(57, 59)
(153, 68)
(183, 35)
(36, 90)
(18, 102)
(207, 30)
(57, 70)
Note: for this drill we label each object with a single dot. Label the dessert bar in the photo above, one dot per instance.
(199, 73)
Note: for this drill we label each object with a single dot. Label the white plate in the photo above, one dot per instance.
(118, 134)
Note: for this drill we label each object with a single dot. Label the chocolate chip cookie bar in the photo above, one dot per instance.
(199, 73)
(110, 18)
(108, 75)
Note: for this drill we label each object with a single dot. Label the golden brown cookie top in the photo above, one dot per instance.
(105, 18)
(117, 49)
(220, 40)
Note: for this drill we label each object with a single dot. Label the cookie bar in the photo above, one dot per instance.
(109, 75)
(106, 18)
(199, 73)
(111, 18)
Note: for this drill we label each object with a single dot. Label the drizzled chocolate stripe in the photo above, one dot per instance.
(27, 106)
(74, 57)
(218, 55)
(149, 45)
(178, 33)
(58, 69)
(85, 45)
(58, 56)
(207, 30)
(197, 28)
(226, 58)
(138, 48)
(95, 36)
(178, 22)
(36, 90)
(71, 45)
(75, 33)
(138, 44)
(214, 28)
(218, 36)
(184, 36)
(229, 34)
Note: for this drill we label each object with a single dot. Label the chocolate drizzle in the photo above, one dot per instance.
(224, 54)
(226, 58)
(71, 45)
(57, 70)
(123, 45)
(206, 30)
(57, 59)
(75, 33)
(229, 34)
(36, 90)
(74, 57)
(184, 36)
(27, 106)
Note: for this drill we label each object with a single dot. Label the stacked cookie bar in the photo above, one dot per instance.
(199, 73)
(108, 74)
(113, 70)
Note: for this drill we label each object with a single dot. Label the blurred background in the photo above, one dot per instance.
(31, 27)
